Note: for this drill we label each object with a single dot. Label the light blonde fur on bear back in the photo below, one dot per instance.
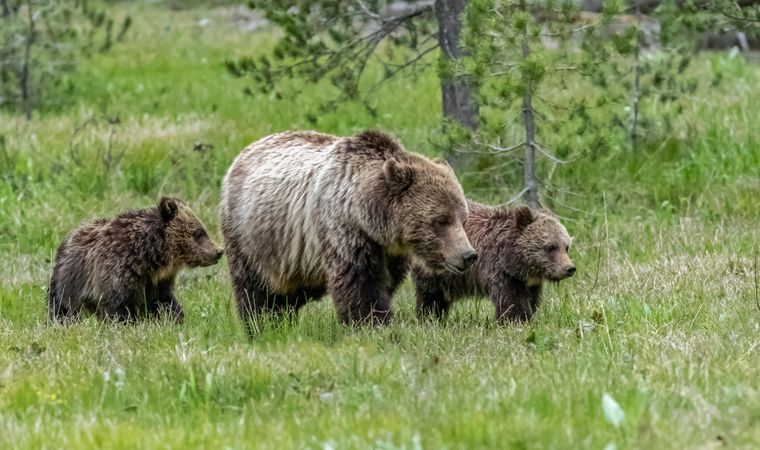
(274, 198)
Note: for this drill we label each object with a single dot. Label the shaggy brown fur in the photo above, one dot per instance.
(124, 268)
(305, 213)
(518, 250)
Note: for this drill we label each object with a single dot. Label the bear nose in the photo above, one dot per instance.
(219, 254)
(570, 271)
(469, 258)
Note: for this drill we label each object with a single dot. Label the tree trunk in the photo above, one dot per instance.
(457, 95)
(531, 187)
(636, 80)
(5, 11)
(529, 165)
(26, 101)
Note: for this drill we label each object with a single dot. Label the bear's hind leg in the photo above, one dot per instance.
(256, 304)
(58, 310)
(65, 297)
(291, 303)
(250, 295)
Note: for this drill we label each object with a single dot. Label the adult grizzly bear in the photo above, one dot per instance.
(518, 249)
(124, 268)
(305, 213)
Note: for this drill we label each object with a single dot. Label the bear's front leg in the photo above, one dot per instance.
(515, 300)
(431, 300)
(359, 284)
(398, 267)
(168, 306)
(122, 302)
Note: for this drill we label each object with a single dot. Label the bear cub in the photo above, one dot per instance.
(124, 268)
(518, 250)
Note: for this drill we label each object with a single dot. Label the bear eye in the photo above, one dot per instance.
(443, 221)
(552, 248)
(199, 234)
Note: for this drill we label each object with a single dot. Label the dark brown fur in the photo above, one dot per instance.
(124, 268)
(518, 249)
(342, 216)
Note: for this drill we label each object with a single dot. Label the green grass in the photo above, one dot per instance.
(662, 314)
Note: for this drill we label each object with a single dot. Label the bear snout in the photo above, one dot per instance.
(562, 272)
(458, 254)
(462, 262)
(209, 257)
(217, 254)
(469, 258)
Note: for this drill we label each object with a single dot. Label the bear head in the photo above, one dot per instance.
(539, 252)
(430, 211)
(187, 241)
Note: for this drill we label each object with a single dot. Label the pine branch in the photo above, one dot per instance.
(496, 149)
(350, 58)
(737, 18)
(514, 199)
(366, 11)
(401, 67)
(549, 155)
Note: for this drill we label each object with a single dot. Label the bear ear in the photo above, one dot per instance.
(398, 175)
(523, 217)
(547, 212)
(444, 163)
(168, 207)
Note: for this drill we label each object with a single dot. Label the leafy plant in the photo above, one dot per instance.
(40, 40)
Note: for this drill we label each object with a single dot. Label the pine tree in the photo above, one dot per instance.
(524, 85)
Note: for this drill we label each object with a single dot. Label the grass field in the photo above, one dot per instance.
(662, 315)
